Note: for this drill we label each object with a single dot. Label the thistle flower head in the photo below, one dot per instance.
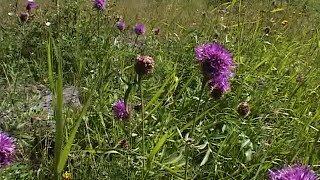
(295, 172)
(144, 65)
(157, 31)
(31, 5)
(121, 25)
(216, 66)
(7, 150)
(139, 29)
(120, 110)
(100, 4)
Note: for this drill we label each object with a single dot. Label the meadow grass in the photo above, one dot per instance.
(277, 74)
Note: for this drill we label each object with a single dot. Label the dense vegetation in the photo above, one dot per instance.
(175, 125)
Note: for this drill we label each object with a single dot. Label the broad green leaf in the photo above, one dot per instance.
(156, 149)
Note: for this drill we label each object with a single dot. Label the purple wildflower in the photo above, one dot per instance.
(7, 150)
(295, 172)
(120, 111)
(31, 5)
(121, 25)
(216, 65)
(156, 31)
(139, 29)
(100, 4)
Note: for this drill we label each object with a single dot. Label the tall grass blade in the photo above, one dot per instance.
(67, 148)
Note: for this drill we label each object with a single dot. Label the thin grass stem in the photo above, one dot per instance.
(187, 148)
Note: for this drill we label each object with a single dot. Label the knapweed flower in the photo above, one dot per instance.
(295, 172)
(144, 65)
(216, 66)
(100, 4)
(121, 25)
(24, 16)
(31, 5)
(139, 29)
(7, 150)
(120, 110)
(157, 31)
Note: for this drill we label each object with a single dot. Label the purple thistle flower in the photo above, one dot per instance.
(216, 65)
(7, 150)
(120, 111)
(100, 4)
(295, 172)
(139, 29)
(121, 25)
(156, 31)
(31, 5)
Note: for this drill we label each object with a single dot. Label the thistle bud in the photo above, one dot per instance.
(244, 109)
(24, 16)
(124, 144)
(144, 65)
(216, 92)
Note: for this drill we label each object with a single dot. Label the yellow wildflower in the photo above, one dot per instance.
(66, 175)
(284, 22)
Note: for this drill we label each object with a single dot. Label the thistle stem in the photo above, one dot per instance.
(187, 148)
(142, 117)
(135, 41)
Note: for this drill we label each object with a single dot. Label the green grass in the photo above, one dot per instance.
(283, 127)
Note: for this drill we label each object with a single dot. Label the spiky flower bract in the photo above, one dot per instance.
(120, 110)
(7, 150)
(31, 5)
(100, 4)
(139, 29)
(295, 172)
(216, 66)
(121, 25)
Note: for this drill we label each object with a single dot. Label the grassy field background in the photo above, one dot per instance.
(277, 74)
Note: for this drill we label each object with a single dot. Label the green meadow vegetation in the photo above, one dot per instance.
(176, 129)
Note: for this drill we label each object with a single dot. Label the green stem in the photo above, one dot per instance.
(135, 42)
(58, 116)
(142, 117)
(99, 14)
(187, 148)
